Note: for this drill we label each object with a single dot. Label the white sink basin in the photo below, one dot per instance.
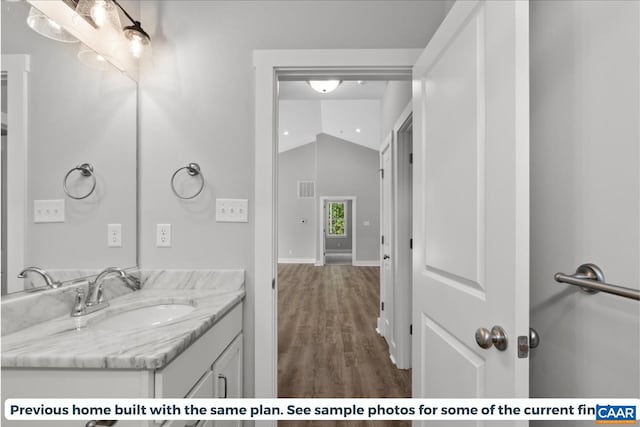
(142, 317)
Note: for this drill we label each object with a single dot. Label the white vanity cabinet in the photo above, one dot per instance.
(192, 374)
(227, 374)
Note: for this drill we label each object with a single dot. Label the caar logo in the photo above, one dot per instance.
(610, 414)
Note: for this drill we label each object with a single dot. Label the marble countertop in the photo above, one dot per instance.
(57, 343)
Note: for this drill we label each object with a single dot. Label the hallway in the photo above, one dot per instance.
(327, 342)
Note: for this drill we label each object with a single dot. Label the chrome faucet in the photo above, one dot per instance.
(94, 300)
(43, 273)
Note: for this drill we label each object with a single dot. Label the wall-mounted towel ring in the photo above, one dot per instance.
(86, 170)
(193, 169)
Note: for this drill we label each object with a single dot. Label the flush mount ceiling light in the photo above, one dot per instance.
(324, 86)
(45, 26)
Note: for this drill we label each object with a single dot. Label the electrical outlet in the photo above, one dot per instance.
(114, 235)
(232, 210)
(163, 235)
(48, 211)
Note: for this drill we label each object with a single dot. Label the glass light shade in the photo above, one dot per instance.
(92, 59)
(101, 13)
(45, 26)
(139, 41)
(324, 86)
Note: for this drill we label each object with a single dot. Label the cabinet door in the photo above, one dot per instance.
(227, 375)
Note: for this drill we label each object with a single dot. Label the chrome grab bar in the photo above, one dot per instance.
(590, 278)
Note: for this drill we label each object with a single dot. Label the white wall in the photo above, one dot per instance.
(396, 97)
(585, 195)
(76, 115)
(197, 105)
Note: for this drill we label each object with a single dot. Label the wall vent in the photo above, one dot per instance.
(306, 189)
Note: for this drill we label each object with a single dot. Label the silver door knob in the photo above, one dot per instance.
(495, 337)
(534, 338)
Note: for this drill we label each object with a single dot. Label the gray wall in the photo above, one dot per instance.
(341, 244)
(346, 169)
(197, 101)
(340, 168)
(296, 240)
(396, 97)
(76, 115)
(585, 188)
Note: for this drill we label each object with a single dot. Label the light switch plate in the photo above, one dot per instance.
(48, 211)
(232, 210)
(114, 235)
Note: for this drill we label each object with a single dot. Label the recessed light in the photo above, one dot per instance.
(358, 130)
(285, 133)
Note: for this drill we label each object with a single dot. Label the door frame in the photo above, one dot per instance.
(383, 318)
(270, 67)
(320, 259)
(402, 232)
(17, 68)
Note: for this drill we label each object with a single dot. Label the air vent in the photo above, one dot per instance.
(306, 189)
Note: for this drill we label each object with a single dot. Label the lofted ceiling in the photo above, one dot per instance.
(351, 112)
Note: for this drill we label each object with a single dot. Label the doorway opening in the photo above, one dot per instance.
(338, 235)
(328, 216)
(272, 68)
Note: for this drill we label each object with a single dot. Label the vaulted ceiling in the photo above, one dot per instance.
(351, 112)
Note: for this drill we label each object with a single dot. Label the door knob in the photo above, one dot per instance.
(495, 337)
(534, 338)
(386, 256)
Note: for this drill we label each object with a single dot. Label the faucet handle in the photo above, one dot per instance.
(79, 307)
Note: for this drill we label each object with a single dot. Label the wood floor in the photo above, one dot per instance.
(327, 342)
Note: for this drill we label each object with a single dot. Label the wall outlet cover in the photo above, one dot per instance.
(163, 235)
(114, 235)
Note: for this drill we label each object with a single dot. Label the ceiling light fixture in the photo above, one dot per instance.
(139, 40)
(358, 130)
(324, 86)
(45, 26)
(285, 133)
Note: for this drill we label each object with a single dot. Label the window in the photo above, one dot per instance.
(337, 219)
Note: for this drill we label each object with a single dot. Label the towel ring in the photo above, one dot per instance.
(193, 169)
(86, 170)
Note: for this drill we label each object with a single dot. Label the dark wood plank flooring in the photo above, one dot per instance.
(327, 342)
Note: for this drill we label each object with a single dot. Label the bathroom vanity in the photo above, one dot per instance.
(155, 343)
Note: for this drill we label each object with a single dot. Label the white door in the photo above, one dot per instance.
(471, 206)
(387, 288)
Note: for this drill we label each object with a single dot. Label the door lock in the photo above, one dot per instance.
(495, 337)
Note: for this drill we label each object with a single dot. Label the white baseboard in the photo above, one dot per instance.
(373, 263)
(296, 260)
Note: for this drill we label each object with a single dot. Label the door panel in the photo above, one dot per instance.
(471, 212)
(387, 261)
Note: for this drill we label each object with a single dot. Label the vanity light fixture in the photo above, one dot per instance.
(92, 59)
(139, 40)
(324, 86)
(99, 13)
(45, 26)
